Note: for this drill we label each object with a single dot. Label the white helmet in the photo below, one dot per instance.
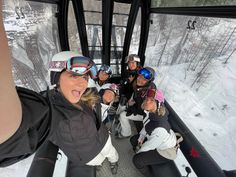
(59, 60)
(72, 61)
(133, 57)
(113, 87)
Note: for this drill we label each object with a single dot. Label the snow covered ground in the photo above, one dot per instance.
(209, 112)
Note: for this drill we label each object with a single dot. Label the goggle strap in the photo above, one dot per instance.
(57, 64)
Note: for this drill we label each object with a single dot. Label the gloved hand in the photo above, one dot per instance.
(111, 111)
(131, 102)
(123, 100)
(131, 110)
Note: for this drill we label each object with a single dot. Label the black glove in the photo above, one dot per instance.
(112, 111)
(131, 110)
(123, 100)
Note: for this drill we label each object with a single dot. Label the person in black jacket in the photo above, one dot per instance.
(134, 111)
(63, 115)
(131, 74)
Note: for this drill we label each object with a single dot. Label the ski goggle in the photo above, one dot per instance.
(151, 93)
(82, 65)
(156, 94)
(106, 69)
(145, 73)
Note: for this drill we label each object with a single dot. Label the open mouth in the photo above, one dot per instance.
(76, 93)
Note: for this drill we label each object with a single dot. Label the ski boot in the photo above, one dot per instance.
(114, 167)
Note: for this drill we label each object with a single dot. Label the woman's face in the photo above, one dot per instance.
(141, 81)
(103, 76)
(72, 86)
(149, 104)
(132, 65)
(108, 97)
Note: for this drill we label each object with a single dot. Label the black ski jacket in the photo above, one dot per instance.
(77, 132)
(138, 96)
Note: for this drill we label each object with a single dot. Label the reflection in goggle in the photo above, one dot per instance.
(145, 73)
(82, 65)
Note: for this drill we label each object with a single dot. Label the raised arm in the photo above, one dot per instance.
(10, 106)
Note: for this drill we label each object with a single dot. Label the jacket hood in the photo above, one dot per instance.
(157, 121)
(154, 117)
(59, 100)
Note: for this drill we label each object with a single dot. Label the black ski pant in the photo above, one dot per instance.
(73, 170)
(144, 160)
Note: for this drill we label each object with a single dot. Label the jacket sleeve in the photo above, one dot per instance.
(33, 131)
(104, 111)
(154, 140)
(142, 134)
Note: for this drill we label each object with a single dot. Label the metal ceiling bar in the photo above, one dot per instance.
(107, 13)
(62, 17)
(129, 31)
(80, 21)
(145, 23)
(204, 11)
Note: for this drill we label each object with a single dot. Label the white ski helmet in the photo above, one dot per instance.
(133, 57)
(107, 69)
(72, 61)
(59, 60)
(115, 88)
(58, 63)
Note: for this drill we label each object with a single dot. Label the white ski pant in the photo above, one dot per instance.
(108, 151)
(125, 124)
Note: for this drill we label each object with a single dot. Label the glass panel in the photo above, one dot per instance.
(93, 20)
(195, 61)
(134, 45)
(73, 34)
(94, 33)
(190, 3)
(93, 17)
(33, 38)
(120, 19)
(121, 8)
(92, 5)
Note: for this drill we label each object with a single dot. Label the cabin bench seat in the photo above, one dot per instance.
(44, 161)
(165, 170)
(84, 171)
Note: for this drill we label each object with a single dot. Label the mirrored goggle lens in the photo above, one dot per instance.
(145, 73)
(106, 70)
(79, 65)
(93, 71)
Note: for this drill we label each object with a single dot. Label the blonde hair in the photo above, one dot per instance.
(161, 111)
(89, 98)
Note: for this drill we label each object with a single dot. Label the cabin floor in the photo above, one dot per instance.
(126, 167)
(126, 153)
(125, 164)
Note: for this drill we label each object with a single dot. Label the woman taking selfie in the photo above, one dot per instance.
(63, 115)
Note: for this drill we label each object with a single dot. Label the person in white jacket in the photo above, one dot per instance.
(102, 80)
(156, 133)
(109, 95)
